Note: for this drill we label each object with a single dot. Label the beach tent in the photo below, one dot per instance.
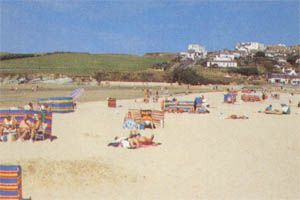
(10, 182)
(59, 104)
(230, 98)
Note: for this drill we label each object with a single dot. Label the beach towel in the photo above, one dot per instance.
(118, 144)
(274, 112)
(148, 145)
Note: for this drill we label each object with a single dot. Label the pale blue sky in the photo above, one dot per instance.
(138, 27)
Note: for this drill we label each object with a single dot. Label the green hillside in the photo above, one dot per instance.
(80, 63)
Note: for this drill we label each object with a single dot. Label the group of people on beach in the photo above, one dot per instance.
(26, 129)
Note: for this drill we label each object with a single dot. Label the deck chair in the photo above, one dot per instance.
(40, 134)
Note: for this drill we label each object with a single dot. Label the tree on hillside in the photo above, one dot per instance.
(292, 59)
(187, 76)
(269, 67)
(100, 76)
(260, 54)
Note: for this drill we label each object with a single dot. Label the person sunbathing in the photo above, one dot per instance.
(25, 127)
(136, 140)
(120, 141)
(133, 141)
(8, 126)
(237, 117)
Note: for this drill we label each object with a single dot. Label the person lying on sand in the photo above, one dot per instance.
(133, 141)
(120, 141)
(237, 117)
(137, 140)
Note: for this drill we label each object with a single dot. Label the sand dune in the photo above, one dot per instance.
(201, 156)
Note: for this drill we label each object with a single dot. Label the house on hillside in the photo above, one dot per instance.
(281, 59)
(190, 54)
(283, 79)
(290, 71)
(194, 51)
(278, 78)
(222, 60)
(248, 47)
(295, 81)
(277, 66)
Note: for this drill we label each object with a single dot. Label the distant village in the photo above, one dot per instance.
(286, 73)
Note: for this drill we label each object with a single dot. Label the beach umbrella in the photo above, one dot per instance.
(76, 93)
(130, 124)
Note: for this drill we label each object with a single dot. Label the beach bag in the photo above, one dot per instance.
(142, 126)
(3, 138)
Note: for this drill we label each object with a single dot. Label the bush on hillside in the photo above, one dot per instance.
(15, 56)
(260, 54)
(187, 76)
(247, 71)
(292, 59)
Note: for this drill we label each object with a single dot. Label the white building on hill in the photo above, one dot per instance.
(197, 48)
(250, 46)
(222, 60)
(194, 51)
(284, 79)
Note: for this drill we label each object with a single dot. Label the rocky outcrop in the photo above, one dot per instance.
(47, 79)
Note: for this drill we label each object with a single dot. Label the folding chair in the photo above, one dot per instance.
(40, 134)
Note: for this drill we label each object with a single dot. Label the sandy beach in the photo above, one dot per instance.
(202, 156)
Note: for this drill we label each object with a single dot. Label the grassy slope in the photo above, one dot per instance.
(80, 63)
